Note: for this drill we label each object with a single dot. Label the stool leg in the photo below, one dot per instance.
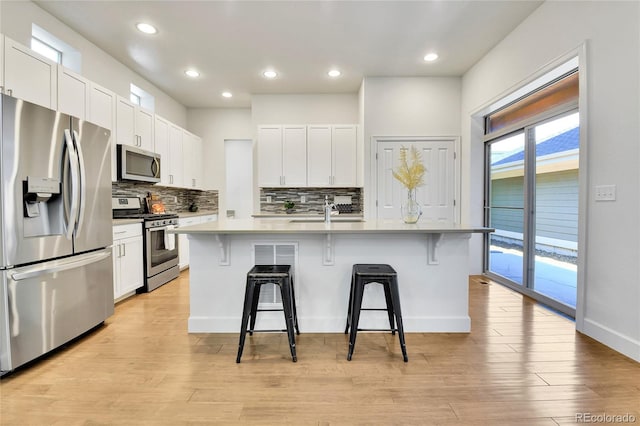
(254, 307)
(355, 315)
(285, 290)
(390, 312)
(395, 295)
(349, 307)
(293, 304)
(248, 298)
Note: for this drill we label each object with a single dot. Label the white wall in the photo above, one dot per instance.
(611, 30)
(304, 109)
(215, 125)
(16, 18)
(417, 106)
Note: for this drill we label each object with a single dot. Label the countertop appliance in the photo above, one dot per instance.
(137, 164)
(160, 247)
(55, 229)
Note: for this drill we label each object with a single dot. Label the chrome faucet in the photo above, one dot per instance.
(328, 208)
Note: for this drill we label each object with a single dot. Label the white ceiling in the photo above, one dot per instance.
(232, 42)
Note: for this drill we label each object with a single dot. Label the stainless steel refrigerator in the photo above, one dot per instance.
(55, 230)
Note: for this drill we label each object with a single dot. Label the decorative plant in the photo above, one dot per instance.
(288, 204)
(410, 172)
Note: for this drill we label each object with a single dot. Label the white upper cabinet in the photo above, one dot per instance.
(73, 93)
(168, 143)
(192, 161)
(319, 156)
(1, 63)
(173, 164)
(282, 156)
(102, 111)
(270, 156)
(331, 155)
(134, 125)
(161, 146)
(294, 155)
(29, 75)
(344, 155)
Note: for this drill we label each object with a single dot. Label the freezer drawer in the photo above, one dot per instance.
(47, 304)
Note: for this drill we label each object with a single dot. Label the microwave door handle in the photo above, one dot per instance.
(73, 163)
(155, 164)
(83, 183)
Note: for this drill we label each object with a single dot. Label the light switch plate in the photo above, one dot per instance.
(605, 193)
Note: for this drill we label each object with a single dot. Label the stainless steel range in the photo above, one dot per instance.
(160, 247)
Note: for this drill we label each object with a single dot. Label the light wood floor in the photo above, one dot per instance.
(521, 364)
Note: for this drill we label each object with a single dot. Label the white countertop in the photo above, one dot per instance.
(117, 222)
(274, 226)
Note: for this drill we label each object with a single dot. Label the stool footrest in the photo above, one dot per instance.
(266, 331)
(269, 310)
(374, 309)
(378, 329)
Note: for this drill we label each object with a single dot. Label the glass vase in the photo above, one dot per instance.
(410, 208)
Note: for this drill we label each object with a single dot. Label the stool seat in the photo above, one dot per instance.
(279, 275)
(363, 274)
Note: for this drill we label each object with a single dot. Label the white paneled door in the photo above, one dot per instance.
(436, 196)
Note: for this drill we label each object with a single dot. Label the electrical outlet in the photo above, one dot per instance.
(303, 199)
(605, 193)
(175, 198)
(269, 200)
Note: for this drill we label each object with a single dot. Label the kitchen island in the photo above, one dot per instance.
(431, 260)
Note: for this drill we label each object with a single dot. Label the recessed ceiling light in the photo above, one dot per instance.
(334, 73)
(227, 94)
(430, 57)
(146, 28)
(192, 73)
(270, 74)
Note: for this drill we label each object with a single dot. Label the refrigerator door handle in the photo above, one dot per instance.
(83, 184)
(46, 268)
(75, 178)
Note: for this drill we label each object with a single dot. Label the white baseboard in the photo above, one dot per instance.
(619, 342)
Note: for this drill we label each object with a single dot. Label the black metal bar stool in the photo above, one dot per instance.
(279, 275)
(363, 274)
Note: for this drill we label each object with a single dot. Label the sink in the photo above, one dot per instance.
(321, 220)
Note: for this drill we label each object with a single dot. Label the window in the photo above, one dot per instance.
(46, 50)
(141, 98)
(134, 98)
(55, 49)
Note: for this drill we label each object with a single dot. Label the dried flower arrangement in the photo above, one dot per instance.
(410, 175)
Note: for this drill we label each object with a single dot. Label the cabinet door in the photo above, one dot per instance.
(102, 111)
(188, 175)
(126, 122)
(319, 156)
(1, 63)
(175, 155)
(29, 76)
(73, 93)
(161, 146)
(183, 242)
(344, 141)
(270, 156)
(131, 264)
(196, 162)
(294, 155)
(144, 129)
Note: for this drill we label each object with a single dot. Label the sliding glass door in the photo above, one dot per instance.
(531, 200)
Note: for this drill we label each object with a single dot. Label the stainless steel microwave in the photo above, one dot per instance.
(137, 164)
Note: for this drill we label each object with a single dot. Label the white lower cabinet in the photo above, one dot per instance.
(183, 242)
(128, 263)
